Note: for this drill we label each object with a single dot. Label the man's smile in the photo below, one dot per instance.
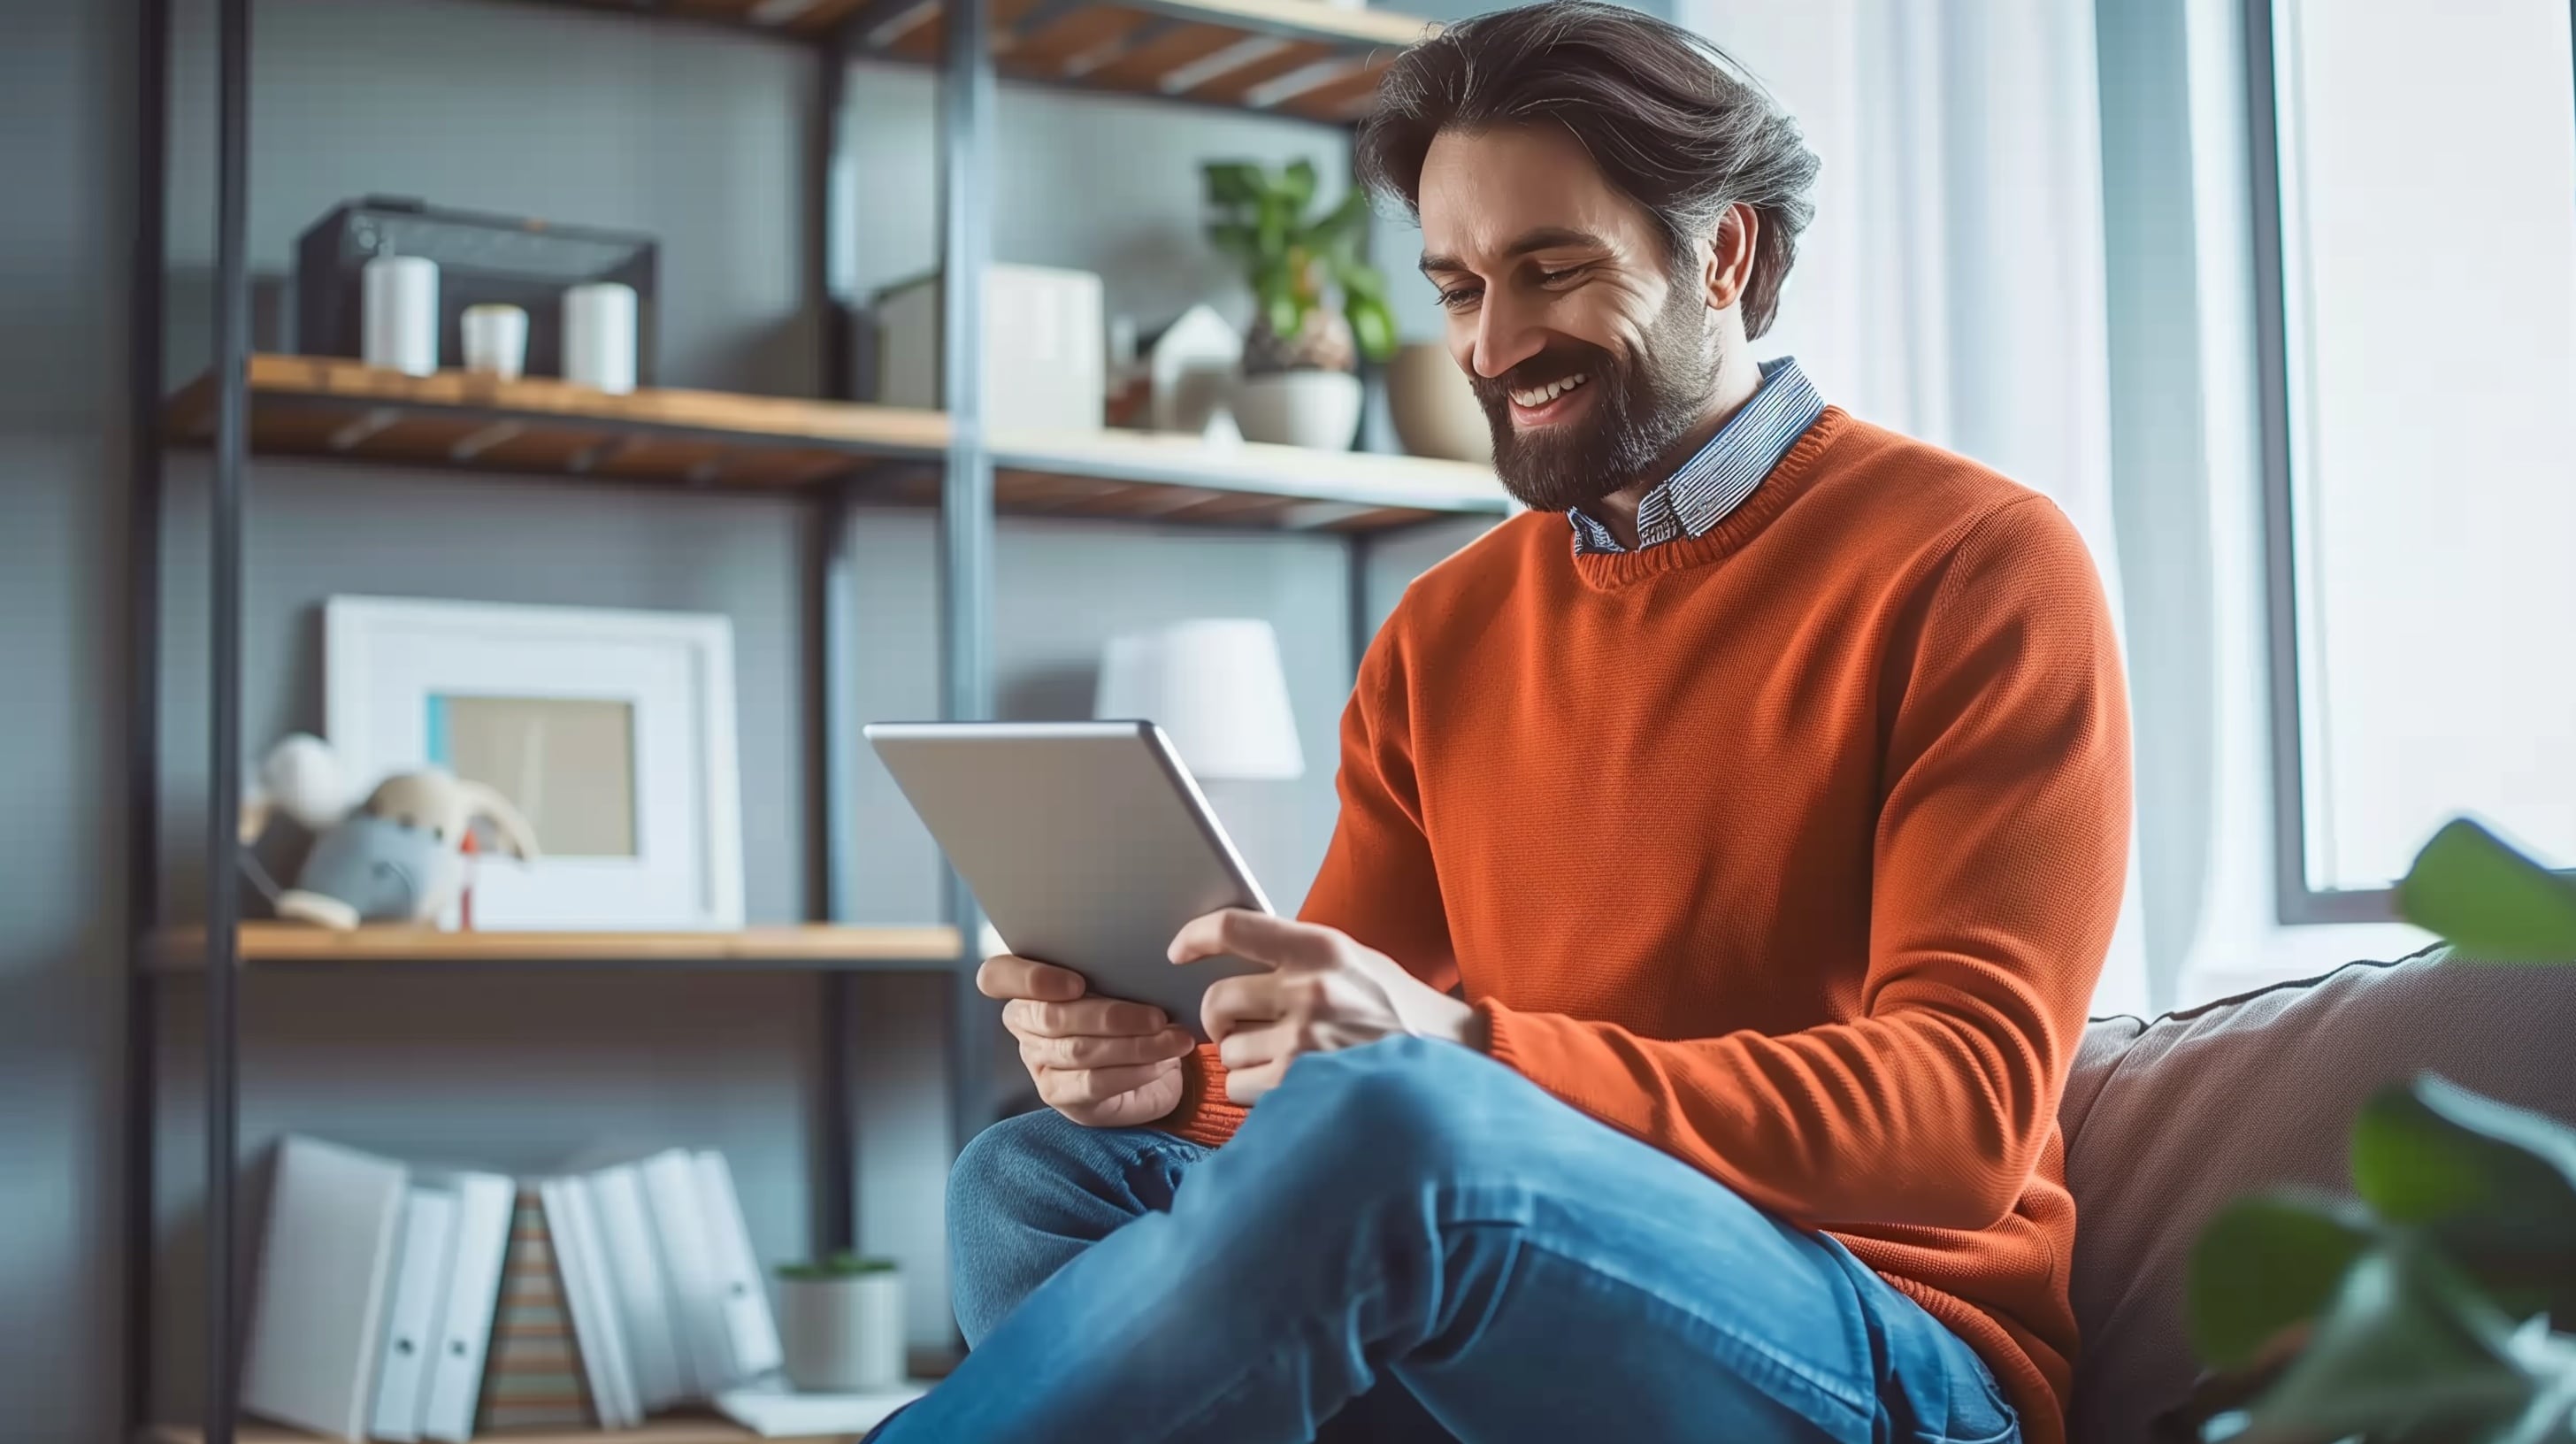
(1552, 404)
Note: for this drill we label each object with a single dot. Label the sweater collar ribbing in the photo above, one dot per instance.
(1610, 571)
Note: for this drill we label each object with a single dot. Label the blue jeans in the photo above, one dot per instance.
(1410, 1241)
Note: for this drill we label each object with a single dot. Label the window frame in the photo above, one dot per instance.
(2296, 904)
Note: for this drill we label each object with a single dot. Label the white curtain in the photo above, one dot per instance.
(1952, 285)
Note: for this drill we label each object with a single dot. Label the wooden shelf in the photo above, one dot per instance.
(656, 1431)
(330, 406)
(816, 946)
(334, 406)
(1161, 476)
(1290, 57)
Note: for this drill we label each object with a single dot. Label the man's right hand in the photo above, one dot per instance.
(1098, 1061)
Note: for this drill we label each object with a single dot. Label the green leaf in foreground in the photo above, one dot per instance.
(2264, 1264)
(2406, 1349)
(2428, 1150)
(2551, 1361)
(2492, 903)
(2493, 1185)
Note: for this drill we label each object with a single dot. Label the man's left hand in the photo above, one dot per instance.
(1324, 992)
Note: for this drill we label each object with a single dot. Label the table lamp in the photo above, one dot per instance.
(1216, 688)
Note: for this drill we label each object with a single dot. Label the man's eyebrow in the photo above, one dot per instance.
(1545, 238)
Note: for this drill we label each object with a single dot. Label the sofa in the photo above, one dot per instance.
(2166, 1120)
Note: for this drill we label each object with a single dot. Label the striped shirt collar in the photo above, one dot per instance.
(1715, 481)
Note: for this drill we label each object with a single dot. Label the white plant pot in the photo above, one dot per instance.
(843, 1335)
(1319, 410)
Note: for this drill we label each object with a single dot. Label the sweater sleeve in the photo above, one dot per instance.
(1377, 883)
(1999, 858)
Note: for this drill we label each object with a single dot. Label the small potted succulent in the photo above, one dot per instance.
(841, 1324)
(1300, 385)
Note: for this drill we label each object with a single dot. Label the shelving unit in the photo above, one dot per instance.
(656, 1431)
(338, 409)
(1300, 59)
(817, 946)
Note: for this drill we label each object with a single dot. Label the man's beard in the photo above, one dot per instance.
(1646, 403)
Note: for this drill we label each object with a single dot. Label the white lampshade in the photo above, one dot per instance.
(1216, 688)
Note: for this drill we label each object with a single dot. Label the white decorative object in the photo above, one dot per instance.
(842, 1332)
(495, 340)
(398, 314)
(1319, 410)
(1435, 410)
(613, 732)
(300, 777)
(1045, 348)
(1216, 687)
(1190, 366)
(773, 1411)
(599, 336)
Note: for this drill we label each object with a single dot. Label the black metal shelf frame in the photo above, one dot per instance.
(965, 580)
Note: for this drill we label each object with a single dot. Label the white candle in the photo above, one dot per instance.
(599, 336)
(398, 314)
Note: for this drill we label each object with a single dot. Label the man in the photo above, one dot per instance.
(1672, 1041)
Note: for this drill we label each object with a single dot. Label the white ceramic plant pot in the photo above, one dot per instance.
(1315, 409)
(844, 1334)
(1436, 412)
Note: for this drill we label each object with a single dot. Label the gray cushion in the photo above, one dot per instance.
(2166, 1121)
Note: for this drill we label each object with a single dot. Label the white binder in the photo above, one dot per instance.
(751, 1333)
(688, 1266)
(485, 1202)
(318, 1313)
(422, 1266)
(643, 1298)
(586, 1295)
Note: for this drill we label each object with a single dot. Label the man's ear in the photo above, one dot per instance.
(1729, 265)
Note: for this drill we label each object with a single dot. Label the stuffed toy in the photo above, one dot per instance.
(399, 857)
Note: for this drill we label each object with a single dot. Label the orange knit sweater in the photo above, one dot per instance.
(1792, 849)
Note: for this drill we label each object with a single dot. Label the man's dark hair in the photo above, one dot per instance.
(1673, 122)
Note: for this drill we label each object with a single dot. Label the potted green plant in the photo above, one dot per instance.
(1301, 356)
(2435, 1305)
(840, 1324)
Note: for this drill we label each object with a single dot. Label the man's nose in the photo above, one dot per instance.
(1505, 337)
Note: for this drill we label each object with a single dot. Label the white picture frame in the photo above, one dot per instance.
(392, 666)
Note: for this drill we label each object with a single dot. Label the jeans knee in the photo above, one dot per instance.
(993, 1171)
(1029, 1193)
(1396, 1109)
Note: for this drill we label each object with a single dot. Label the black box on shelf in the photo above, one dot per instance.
(507, 260)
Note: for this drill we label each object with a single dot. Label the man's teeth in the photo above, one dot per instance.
(1552, 390)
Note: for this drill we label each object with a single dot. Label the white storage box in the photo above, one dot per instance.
(1045, 362)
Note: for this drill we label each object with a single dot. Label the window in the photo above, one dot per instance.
(2415, 199)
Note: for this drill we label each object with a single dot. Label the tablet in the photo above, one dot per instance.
(1087, 843)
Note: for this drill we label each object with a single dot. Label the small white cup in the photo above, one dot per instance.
(496, 340)
(599, 336)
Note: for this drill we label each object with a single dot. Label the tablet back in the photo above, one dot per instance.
(1087, 844)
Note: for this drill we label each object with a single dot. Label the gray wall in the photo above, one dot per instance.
(63, 106)
(700, 138)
